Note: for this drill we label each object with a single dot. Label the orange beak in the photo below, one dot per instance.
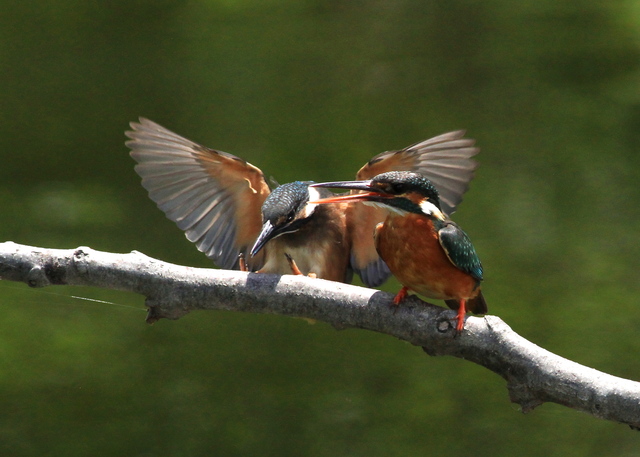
(369, 192)
(366, 196)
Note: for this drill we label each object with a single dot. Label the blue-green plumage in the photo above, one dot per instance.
(287, 199)
(458, 247)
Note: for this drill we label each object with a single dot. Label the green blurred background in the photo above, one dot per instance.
(311, 90)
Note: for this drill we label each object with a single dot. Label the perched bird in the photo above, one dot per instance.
(425, 251)
(226, 207)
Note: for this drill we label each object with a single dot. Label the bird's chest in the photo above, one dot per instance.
(323, 253)
(410, 247)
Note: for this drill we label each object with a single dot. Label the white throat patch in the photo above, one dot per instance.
(311, 207)
(430, 209)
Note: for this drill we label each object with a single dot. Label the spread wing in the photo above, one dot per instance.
(446, 160)
(215, 197)
(459, 250)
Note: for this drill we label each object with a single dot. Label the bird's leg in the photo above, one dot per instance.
(401, 295)
(242, 264)
(292, 264)
(294, 267)
(462, 311)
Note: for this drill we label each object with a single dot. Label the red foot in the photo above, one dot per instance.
(462, 311)
(401, 295)
(242, 264)
(292, 264)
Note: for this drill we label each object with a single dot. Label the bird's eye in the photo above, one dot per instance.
(291, 216)
(398, 188)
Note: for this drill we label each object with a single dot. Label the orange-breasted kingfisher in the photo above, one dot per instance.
(226, 207)
(426, 251)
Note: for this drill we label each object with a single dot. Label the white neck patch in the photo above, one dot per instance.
(430, 209)
(309, 208)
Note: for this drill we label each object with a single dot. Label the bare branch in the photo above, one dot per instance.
(533, 375)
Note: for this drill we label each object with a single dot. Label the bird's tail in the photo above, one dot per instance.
(476, 305)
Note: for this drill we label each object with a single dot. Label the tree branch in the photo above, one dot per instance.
(533, 375)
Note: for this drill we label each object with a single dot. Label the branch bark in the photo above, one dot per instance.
(533, 375)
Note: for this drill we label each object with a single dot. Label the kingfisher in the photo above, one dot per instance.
(426, 251)
(226, 207)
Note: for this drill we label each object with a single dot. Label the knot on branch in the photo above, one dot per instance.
(163, 309)
(37, 277)
(520, 394)
(80, 256)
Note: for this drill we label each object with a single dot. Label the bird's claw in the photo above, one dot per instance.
(294, 267)
(400, 296)
(462, 312)
(292, 264)
(242, 263)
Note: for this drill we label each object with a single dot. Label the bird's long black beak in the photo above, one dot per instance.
(357, 185)
(370, 192)
(265, 235)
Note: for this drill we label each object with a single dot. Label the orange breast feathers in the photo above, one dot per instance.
(410, 247)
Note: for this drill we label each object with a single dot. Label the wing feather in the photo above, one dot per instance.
(215, 197)
(459, 250)
(450, 151)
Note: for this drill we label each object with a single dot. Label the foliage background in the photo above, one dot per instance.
(311, 90)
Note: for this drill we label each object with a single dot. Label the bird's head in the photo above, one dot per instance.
(398, 191)
(285, 210)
